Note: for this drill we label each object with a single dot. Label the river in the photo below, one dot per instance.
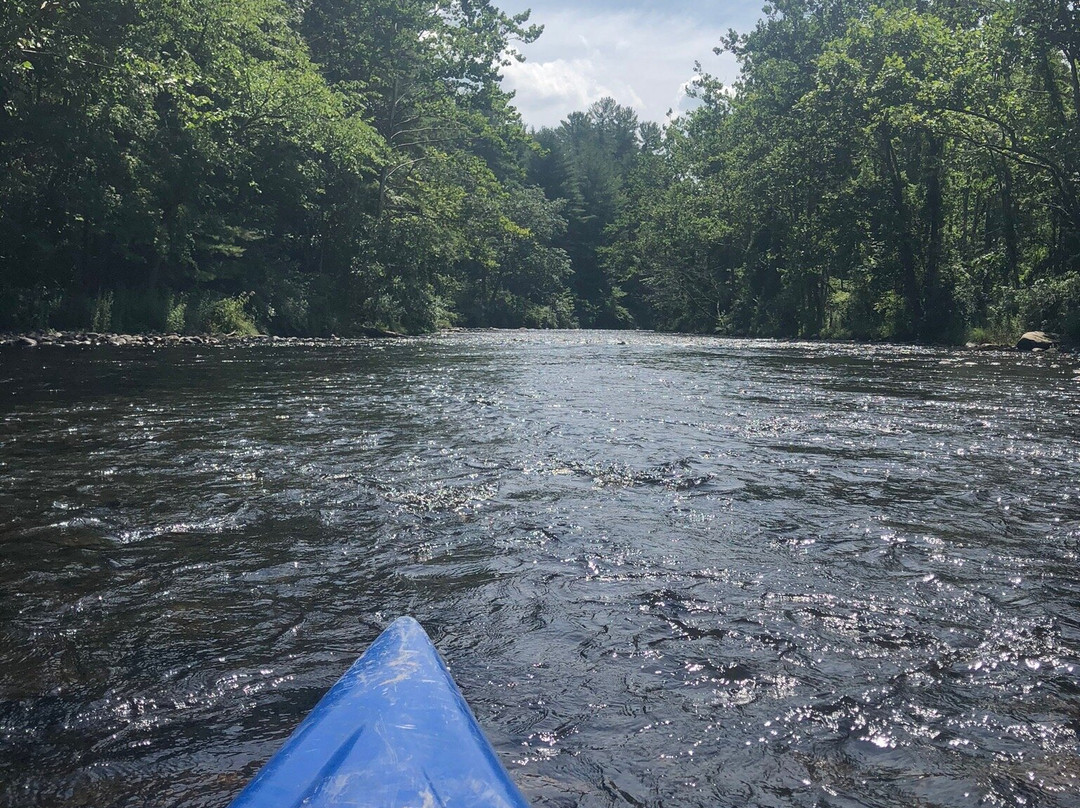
(664, 570)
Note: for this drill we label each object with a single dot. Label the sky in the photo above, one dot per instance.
(639, 52)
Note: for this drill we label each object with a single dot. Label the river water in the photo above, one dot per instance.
(665, 571)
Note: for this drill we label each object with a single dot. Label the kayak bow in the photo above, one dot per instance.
(394, 732)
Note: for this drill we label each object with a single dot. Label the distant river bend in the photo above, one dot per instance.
(665, 571)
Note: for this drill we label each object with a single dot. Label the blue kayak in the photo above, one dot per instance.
(394, 732)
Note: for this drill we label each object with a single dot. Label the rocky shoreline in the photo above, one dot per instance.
(1031, 342)
(92, 339)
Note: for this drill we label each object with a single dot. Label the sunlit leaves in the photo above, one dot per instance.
(878, 170)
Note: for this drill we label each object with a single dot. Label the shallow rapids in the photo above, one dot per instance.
(665, 571)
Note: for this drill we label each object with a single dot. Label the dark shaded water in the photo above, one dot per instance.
(665, 571)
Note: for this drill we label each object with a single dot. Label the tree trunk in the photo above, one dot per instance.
(1008, 223)
(905, 248)
(935, 309)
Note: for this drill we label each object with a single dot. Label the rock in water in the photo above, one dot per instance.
(26, 342)
(1035, 339)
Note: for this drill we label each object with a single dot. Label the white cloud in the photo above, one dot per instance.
(559, 87)
(681, 101)
(637, 55)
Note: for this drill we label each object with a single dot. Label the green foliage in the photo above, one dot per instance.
(1001, 332)
(225, 315)
(893, 171)
(880, 170)
(101, 314)
(159, 148)
(176, 316)
(585, 163)
(1052, 304)
(427, 75)
(159, 153)
(559, 313)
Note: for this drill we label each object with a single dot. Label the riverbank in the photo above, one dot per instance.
(92, 339)
(1032, 341)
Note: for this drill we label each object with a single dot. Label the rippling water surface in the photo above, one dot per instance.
(665, 571)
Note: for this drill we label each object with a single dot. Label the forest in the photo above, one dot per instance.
(897, 170)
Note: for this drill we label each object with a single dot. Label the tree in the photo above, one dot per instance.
(585, 162)
(158, 151)
(427, 74)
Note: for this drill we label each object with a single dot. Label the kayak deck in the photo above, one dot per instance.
(393, 732)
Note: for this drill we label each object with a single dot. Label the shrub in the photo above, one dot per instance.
(225, 315)
(997, 332)
(1052, 304)
(101, 312)
(176, 316)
